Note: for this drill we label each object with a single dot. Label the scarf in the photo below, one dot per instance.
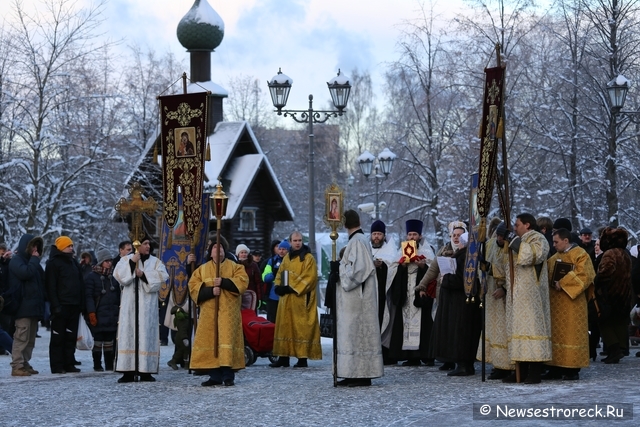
(302, 252)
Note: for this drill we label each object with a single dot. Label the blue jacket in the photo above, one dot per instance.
(25, 270)
(269, 275)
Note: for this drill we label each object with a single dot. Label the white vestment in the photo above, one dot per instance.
(148, 323)
(358, 339)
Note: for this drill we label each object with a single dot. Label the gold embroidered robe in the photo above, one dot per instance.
(528, 314)
(297, 327)
(228, 322)
(569, 325)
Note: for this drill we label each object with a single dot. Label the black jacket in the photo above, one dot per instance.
(103, 298)
(25, 271)
(64, 282)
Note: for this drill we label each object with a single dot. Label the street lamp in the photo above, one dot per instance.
(339, 88)
(618, 89)
(384, 165)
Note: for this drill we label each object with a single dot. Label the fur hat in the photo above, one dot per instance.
(379, 226)
(562, 223)
(613, 238)
(103, 255)
(414, 225)
(63, 242)
(242, 247)
(285, 245)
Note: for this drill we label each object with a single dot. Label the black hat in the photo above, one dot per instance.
(414, 225)
(562, 223)
(586, 231)
(379, 226)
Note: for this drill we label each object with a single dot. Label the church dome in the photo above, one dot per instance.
(201, 28)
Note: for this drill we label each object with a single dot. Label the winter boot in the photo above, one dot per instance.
(108, 347)
(96, 353)
(534, 374)
(283, 362)
(97, 360)
(614, 354)
(108, 360)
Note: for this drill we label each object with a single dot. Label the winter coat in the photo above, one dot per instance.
(613, 277)
(103, 298)
(255, 278)
(25, 270)
(269, 274)
(64, 282)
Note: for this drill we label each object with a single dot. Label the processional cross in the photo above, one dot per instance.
(136, 207)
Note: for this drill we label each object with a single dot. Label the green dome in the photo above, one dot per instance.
(201, 28)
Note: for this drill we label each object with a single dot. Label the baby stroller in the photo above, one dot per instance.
(258, 331)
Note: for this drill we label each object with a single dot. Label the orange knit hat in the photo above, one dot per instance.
(63, 242)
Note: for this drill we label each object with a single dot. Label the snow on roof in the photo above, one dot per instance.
(241, 172)
(214, 88)
(223, 142)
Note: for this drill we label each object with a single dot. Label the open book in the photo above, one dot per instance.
(560, 270)
(447, 265)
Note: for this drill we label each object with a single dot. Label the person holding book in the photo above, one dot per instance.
(571, 275)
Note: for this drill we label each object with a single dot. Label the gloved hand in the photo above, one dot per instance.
(280, 290)
(93, 319)
(503, 231)
(485, 266)
(268, 278)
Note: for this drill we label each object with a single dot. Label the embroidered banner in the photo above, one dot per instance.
(183, 139)
(176, 245)
(491, 130)
(473, 245)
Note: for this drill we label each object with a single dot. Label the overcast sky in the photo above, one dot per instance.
(309, 39)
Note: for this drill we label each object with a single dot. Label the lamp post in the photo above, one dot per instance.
(339, 88)
(384, 165)
(618, 89)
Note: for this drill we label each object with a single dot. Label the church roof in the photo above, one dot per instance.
(242, 169)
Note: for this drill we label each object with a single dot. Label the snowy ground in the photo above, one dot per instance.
(263, 396)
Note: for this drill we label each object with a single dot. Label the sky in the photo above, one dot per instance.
(309, 39)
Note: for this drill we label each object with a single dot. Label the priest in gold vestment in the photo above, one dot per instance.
(218, 345)
(297, 327)
(568, 300)
(528, 314)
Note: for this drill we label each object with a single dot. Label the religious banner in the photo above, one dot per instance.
(176, 245)
(491, 129)
(473, 245)
(183, 139)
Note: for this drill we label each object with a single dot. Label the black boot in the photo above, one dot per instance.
(283, 362)
(302, 363)
(463, 369)
(97, 363)
(108, 360)
(615, 354)
(447, 366)
(535, 372)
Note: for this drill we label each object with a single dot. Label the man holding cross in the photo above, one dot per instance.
(140, 275)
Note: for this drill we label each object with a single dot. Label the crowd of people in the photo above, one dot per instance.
(550, 296)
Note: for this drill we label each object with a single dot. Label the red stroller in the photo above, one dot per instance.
(258, 331)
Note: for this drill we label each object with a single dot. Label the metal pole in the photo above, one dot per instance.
(312, 196)
(377, 195)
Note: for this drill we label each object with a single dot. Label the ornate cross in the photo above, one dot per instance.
(136, 207)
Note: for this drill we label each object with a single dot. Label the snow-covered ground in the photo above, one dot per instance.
(264, 396)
